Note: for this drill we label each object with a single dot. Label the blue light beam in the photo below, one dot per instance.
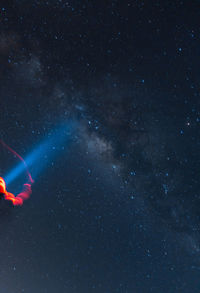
(38, 159)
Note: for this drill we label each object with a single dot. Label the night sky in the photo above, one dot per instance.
(108, 94)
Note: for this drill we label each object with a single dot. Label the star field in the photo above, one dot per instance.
(118, 208)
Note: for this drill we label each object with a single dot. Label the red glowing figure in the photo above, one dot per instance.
(26, 192)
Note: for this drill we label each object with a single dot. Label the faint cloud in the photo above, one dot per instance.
(99, 148)
(99, 145)
(29, 72)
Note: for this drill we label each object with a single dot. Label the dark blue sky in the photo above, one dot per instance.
(117, 208)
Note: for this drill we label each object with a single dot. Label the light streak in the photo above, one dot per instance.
(47, 150)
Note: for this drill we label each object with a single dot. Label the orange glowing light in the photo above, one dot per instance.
(16, 200)
(26, 192)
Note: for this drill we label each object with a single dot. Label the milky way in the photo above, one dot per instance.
(124, 196)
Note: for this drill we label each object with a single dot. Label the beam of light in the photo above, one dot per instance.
(40, 157)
